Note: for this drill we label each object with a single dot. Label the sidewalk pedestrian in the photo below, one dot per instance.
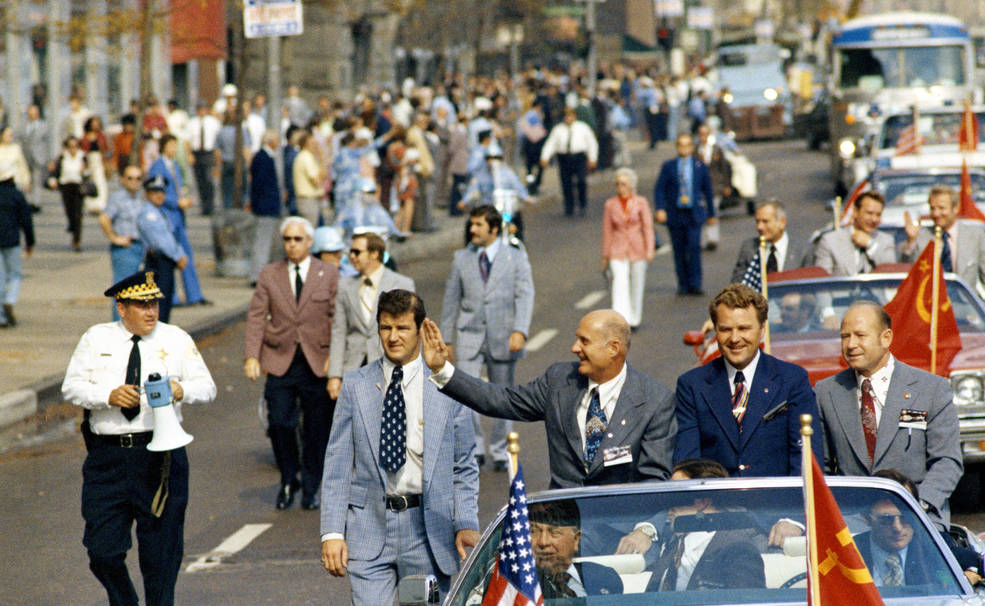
(119, 223)
(308, 179)
(266, 196)
(36, 143)
(627, 246)
(577, 152)
(67, 173)
(15, 217)
(203, 131)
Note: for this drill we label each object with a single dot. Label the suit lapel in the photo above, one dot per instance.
(435, 411)
(718, 399)
(498, 266)
(846, 407)
(762, 396)
(900, 394)
(570, 398)
(283, 284)
(369, 394)
(315, 276)
(355, 303)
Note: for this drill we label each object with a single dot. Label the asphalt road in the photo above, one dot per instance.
(272, 557)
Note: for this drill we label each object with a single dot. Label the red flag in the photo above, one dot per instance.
(968, 135)
(910, 311)
(968, 210)
(848, 211)
(842, 575)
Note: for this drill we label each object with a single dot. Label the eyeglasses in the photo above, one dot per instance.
(355, 252)
(888, 519)
(294, 238)
(132, 178)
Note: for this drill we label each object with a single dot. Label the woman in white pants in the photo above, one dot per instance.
(627, 245)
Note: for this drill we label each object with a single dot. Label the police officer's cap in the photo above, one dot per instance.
(137, 287)
(156, 183)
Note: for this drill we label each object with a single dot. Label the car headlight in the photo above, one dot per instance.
(770, 94)
(846, 148)
(968, 388)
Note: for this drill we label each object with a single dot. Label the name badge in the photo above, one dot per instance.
(617, 455)
(913, 419)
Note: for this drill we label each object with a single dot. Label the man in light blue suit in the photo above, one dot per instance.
(174, 209)
(400, 486)
(489, 300)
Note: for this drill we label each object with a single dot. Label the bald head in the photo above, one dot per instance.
(601, 344)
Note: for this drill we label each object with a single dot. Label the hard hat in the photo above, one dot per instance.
(327, 239)
(229, 90)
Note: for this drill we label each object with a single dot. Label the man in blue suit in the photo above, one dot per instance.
(683, 197)
(400, 486)
(174, 207)
(743, 409)
(265, 199)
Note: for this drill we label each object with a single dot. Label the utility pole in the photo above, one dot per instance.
(591, 62)
(274, 86)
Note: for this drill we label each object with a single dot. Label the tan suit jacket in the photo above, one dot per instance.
(276, 323)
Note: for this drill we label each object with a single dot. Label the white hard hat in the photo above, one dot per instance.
(229, 90)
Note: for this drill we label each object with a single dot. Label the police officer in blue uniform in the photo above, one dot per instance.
(164, 252)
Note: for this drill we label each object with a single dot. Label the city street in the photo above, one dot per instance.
(238, 549)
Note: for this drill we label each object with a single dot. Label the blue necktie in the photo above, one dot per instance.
(595, 423)
(946, 264)
(484, 266)
(393, 437)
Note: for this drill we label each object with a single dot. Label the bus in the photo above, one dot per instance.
(886, 63)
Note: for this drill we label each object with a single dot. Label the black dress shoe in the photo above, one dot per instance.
(205, 302)
(499, 466)
(285, 496)
(311, 502)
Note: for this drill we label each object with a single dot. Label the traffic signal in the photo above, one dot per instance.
(665, 38)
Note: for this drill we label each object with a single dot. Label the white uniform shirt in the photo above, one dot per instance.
(210, 126)
(575, 139)
(99, 365)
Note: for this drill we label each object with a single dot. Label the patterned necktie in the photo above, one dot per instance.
(893, 577)
(133, 376)
(595, 424)
(297, 283)
(672, 556)
(771, 264)
(739, 398)
(868, 412)
(864, 263)
(946, 263)
(484, 266)
(560, 584)
(393, 437)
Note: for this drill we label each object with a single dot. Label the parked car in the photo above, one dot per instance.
(745, 508)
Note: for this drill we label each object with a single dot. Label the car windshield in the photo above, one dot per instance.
(905, 67)
(723, 533)
(913, 190)
(797, 308)
(935, 128)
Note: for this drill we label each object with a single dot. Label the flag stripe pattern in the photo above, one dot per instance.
(909, 141)
(514, 579)
(752, 277)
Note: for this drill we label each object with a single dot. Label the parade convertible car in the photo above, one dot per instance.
(736, 514)
(804, 317)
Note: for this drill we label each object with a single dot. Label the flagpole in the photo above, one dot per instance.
(836, 209)
(765, 290)
(917, 139)
(935, 299)
(513, 447)
(807, 467)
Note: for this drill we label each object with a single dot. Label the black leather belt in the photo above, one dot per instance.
(126, 440)
(398, 502)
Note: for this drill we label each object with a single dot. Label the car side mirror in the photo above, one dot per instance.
(694, 338)
(418, 590)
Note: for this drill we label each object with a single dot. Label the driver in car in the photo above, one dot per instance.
(555, 534)
(888, 549)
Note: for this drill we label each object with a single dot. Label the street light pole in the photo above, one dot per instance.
(592, 60)
(274, 86)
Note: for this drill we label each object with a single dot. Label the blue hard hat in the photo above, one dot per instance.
(327, 239)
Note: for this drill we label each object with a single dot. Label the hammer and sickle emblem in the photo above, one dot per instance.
(922, 310)
(859, 576)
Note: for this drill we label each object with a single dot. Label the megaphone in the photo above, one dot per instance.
(168, 433)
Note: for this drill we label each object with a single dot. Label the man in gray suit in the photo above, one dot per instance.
(782, 251)
(963, 249)
(606, 423)
(400, 490)
(882, 414)
(354, 339)
(489, 300)
(853, 251)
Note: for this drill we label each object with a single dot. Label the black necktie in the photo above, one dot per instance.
(297, 283)
(946, 264)
(393, 434)
(771, 265)
(484, 266)
(133, 376)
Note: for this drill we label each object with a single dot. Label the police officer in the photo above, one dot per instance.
(123, 482)
(164, 252)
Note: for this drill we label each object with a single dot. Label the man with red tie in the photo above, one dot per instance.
(288, 334)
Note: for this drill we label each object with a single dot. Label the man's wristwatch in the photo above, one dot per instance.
(649, 531)
(927, 507)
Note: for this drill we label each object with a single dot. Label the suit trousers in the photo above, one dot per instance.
(500, 373)
(686, 240)
(163, 267)
(574, 176)
(628, 284)
(118, 486)
(204, 165)
(299, 384)
(310, 209)
(405, 552)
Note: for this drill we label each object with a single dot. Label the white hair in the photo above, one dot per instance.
(304, 223)
(630, 174)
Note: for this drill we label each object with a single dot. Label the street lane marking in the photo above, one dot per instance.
(541, 339)
(234, 543)
(591, 299)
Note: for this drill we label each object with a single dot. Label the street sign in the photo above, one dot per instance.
(262, 18)
(700, 17)
(669, 8)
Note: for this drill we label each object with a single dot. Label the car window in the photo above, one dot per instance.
(912, 190)
(934, 128)
(714, 541)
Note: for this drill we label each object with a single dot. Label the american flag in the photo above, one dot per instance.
(753, 278)
(909, 140)
(514, 580)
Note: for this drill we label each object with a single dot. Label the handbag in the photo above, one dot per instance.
(88, 189)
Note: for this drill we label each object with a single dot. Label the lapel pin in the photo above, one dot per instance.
(623, 422)
(906, 395)
(766, 390)
(610, 435)
(321, 273)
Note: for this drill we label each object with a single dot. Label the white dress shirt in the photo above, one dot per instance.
(880, 386)
(575, 139)
(207, 125)
(368, 294)
(303, 266)
(695, 544)
(99, 365)
(747, 373)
